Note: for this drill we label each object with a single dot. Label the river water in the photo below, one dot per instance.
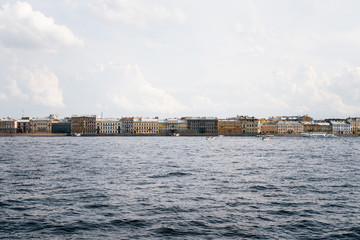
(179, 188)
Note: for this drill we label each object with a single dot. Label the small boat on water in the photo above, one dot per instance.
(77, 134)
(266, 138)
(210, 138)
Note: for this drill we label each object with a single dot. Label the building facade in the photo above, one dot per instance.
(282, 128)
(85, 125)
(8, 125)
(40, 125)
(23, 125)
(355, 125)
(340, 128)
(250, 125)
(230, 127)
(146, 126)
(172, 127)
(202, 126)
(269, 128)
(304, 118)
(111, 126)
(61, 126)
(127, 125)
(324, 127)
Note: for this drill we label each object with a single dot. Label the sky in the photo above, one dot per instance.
(165, 59)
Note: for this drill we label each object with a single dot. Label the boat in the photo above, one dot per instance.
(77, 134)
(266, 138)
(210, 138)
(330, 136)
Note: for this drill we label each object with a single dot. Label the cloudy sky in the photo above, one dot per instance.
(180, 58)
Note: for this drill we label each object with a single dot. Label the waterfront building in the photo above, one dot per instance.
(85, 125)
(250, 125)
(340, 127)
(23, 125)
(355, 125)
(61, 126)
(201, 126)
(310, 127)
(40, 125)
(8, 125)
(324, 127)
(303, 118)
(146, 126)
(172, 127)
(127, 125)
(268, 128)
(110, 126)
(230, 127)
(282, 128)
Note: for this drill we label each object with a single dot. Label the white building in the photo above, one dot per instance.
(340, 127)
(108, 126)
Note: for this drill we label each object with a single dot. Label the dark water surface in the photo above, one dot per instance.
(179, 188)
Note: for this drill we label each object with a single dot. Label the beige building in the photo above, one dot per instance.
(269, 128)
(250, 125)
(108, 126)
(85, 125)
(355, 125)
(230, 127)
(146, 126)
(8, 125)
(282, 128)
(40, 125)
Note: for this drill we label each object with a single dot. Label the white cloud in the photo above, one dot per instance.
(201, 102)
(38, 85)
(136, 13)
(127, 88)
(308, 90)
(3, 96)
(22, 27)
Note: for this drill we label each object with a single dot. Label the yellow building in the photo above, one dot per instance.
(250, 125)
(355, 125)
(146, 126)
(269, 128)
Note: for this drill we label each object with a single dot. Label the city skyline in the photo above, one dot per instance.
(160, 58)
